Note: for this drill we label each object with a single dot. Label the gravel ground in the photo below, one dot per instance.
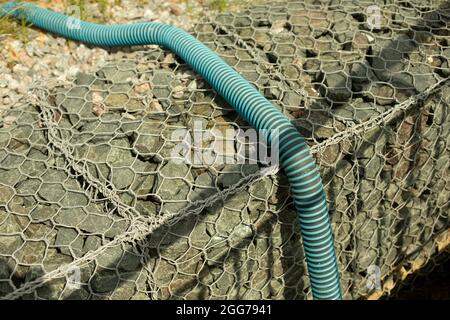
(40, 56)
(388, 193)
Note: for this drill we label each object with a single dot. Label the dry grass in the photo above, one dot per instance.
(443, 247)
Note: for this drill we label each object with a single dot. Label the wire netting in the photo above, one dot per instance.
(89, 184)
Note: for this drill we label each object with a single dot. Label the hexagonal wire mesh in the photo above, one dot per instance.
(89, 187)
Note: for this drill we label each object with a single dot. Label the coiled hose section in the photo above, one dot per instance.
(295, 158)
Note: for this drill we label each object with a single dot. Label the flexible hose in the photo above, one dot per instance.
(295, 158)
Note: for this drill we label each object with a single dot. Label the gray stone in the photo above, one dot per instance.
(227, 221)
(233, 173)
(104, 281)
(145, 177)
(337, 87)
(119, 226)
(261, 189)
(372, 167)
(170, 207)
(127, 197)
(273, 90)
(262, 37)
(70, 216)
(148, 144)
(135, 105)
(28, 187)
(43, 212)
(93, 153)
(84, 79)
(423, 76)
(6, 193)
(205, 180)
(33, 168)
(369, 196)
(388, 56)
(122, 178)
(91, 243)
(106, 128)
(291, 72)
(162, 78)
(12, 222)
(313, 23)
(76, 294)
(119, 88)
(239, 233)
(445, 67)
(117, 257)
(5, 269)
(117, 100)
(52, 192)
(5, 138)
(366, 186)
(118, 72)
(200, 237)
(11, 161)
(382, 94)
(319, 123)
(10, 177)
(74, 198)
(31, 252)
(360, 72)
(175, 251)
(94, 223)
(97, 155)
(229, 179)
(40, 231)
(21, 206)
(285, 49)
(131, 260)
(10, 244)
(147, 208)
(174, 181)
(203, 187)
(204, 109)
(69, 241)
(390, 65)
(162, 93)
(332, 62)
(342, 179)
(365, 257)
(393, 193)
(58, 187)
(54, 260)
(124, 292)
(76, 101)
(238, 201)
(292, 99)
(51, 291)
(345, 27)
(147, 139)
(312, 67)
(357, 112)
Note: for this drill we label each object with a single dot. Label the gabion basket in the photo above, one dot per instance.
(93, 205)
